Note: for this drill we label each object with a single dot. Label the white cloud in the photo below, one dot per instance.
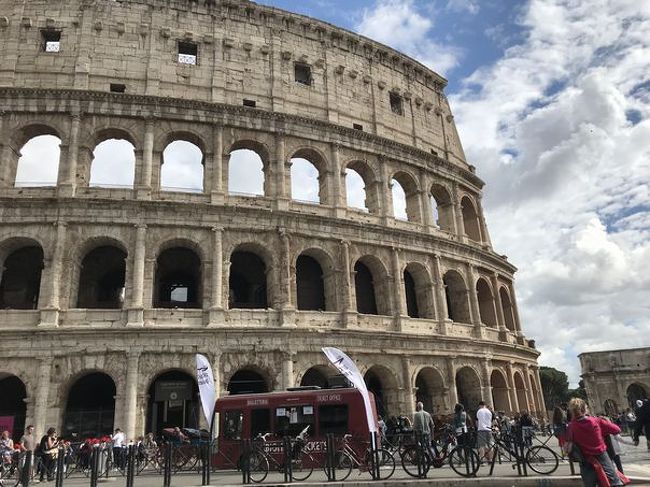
(567, 195)
(465, 6)
(398, 23)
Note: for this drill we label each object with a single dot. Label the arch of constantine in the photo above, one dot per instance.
(108, 289)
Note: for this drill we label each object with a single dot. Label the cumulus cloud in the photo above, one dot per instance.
(399, 24)
(463, 6)
(567, 170)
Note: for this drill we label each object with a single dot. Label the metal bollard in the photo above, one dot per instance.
(130, 466)
(94, 466)
(330, 458)
(26, 473)
(167, 472)
(288, 464)
(374, 457)
(60, 466)
(206, 448)
(245, 461)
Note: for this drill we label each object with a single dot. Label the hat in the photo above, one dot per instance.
(639, 403)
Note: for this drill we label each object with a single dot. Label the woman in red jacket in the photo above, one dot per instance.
(587, 432)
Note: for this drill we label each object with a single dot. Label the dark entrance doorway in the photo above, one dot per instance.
(12, 403)
(247, 381)
(173, 401)
(90, 409)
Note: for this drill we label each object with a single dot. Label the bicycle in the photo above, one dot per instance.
(426, 456)
(260, 461)
(346, 458)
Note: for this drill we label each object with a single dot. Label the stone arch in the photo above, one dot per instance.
(636, 391)
(90, 405)
(318, 375)
(315, 283)
(486, 303)
(418, 291)
(457, 297)
(249, 379)
(178, 274)
(411, 191)
(520, 391)
(100, 167)
(172, 400)
(430, 390)
(468, 388)
(102, 278)
(381, 381)
(372, 292)
(610, 408)
(249, 279)
(500, 398)
(21, 267)
(508, 308)
(534, 396)
(442, 207)
(26, 161)
(471, 220)
(13, 402)
(371, 186)
(182, 162)
(249, 155)
(316, 187)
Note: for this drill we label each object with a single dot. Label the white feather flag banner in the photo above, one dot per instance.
(207, 390)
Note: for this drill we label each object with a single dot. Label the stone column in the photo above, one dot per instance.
(346, 283)
(50, 313)
(408, 399)
(136, 310)
(481, 218)
(216, 291)
(385, 197)
(473, 301)
(427, 211)
(144, 173)
(441, 297)
(8, 157)
(41, 400)
(451, 381)
(530, 396)
(503, 331)
(217, 192)
(514, 398)
(486, 389)
(540, 392)
(399, 294)
(286, 303)
(287, 370)
(131, 394)
(458, 216)
(68, 168)
(337, 189)
(515, 310)
(279, 178)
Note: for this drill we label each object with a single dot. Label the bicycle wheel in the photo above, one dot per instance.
(342, 466)
(386, 463)
(259, 466)
(542, 459)
(302, 466)
(464, 461)
(410, 461)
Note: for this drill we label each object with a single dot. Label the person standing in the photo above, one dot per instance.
(460, 423)
(642, 422)
(48, 447)
(118, 439)
(423, 425)
(484, 438)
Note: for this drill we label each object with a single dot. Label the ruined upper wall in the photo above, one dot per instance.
(245, 51)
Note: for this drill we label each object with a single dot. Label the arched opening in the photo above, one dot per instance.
(113, 163)
(101, 283)
(246, 173)
(457, 297)
(21, 278)
(634, 393)
(520, 390)
(406, 197)
(412, 308)
(182, 167)
(468, 389)
(431, 391)
(470, 219)
(247, 381)
(399, 200)
(12, 404)
(173, 401)
(611, 408)
(90, 407)
(508, 310)
(499, 392)
(355, 188)
(310, 288)
(38, 164)
(247, 282)
(486, 304)
(307, 184)
(320, 376)
(442, 207)
(364, 289)
(178, 279)
(380, 381)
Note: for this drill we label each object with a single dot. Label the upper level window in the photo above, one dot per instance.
(51, 40)
(303, 74)
(188, 53)
(396, 104)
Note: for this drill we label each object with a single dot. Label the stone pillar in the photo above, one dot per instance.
(540, 392)
(514, 399)
(287, 370)
(8, 157)
(530, 394)
(458, 215)
(131, 395)
(41, 399)
(337, 189)
(136, 310)
(399, 294)
(144, 173)
(346, 283)
(279, 178)
(474, 308)
(286, 304)
(427, 211)
(441, 297)
(385, 197)
(515, 310)
(50, 312)
(217, 192)
(486, 389)
(216, 290)
(68, 167)
(451, 381)
(408, 395)
(481, 218)
(501, 321)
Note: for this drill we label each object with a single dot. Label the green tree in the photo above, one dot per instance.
(579, 391)
(555, 386)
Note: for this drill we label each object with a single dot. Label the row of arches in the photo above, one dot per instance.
(633, 393)
(89, 406)
(99, 281)
(185, 166)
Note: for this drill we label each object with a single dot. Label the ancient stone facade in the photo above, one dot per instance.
(425, 305)
(616, 379)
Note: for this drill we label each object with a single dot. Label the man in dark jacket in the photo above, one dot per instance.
(642, 423)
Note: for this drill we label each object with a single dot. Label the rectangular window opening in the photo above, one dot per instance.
(250, 103)
(357, 126)
(303, 74)
(118, 88)
(396, 104)
(51, 40)
(188, 53)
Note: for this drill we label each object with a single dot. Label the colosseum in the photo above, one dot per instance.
(109, 288)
